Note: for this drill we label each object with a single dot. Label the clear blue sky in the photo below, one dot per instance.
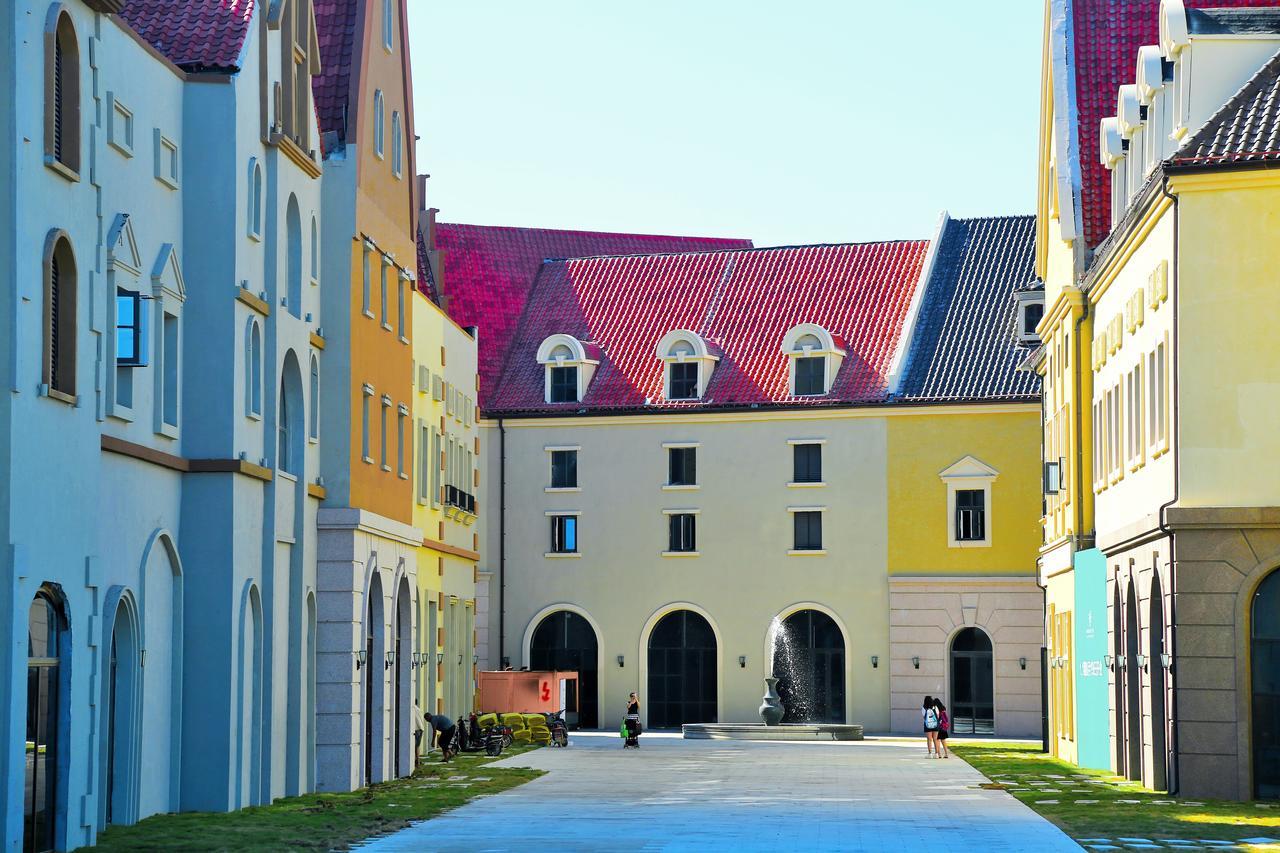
(798, 122)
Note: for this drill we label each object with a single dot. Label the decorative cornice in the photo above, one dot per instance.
(141, 452)
(243, 295)
(295, 153)
(446, 548)
(317, 341)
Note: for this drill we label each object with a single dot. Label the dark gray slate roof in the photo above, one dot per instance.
(963, 347)
(1245, 130)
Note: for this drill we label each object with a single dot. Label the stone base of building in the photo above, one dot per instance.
(791, 731)
(367, 584)
(926, 617)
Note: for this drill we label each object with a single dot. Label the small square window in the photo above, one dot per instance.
(564, 534)
(129, 338)
(1032, 312)
(120, 127)
(166, 163)
(808, 531)
(682, 466)
(682, 532)
(564, 384)
(684, 381)
(808, 463)
(811, 376)
(564, 469)
(970, 515)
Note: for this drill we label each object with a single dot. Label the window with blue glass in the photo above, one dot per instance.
(564, 534)
(129, 338)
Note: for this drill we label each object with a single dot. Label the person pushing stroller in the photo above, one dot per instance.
(631, 724)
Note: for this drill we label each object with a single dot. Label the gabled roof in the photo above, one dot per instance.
(195, 35)
(338, 25)
(488, 271)
(742, 302)
(1245, 130)
(964, 346)
(1106, 35)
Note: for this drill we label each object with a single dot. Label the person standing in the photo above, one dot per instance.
(419, 729)
(632, 723)
(944, 727)
(445, 730)
(929, 712)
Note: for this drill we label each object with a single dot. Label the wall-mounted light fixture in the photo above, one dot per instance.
(742, 661)
(415, 660)
(391, 660)
(439, 658)
(621, 660)
(1108, 660)
(1121, 662)
(915, 662)
(1141, 661)
(475, 659)
(1022, 662)
(1166, 660)
(361, 658)
(875, 661)
(459, 660)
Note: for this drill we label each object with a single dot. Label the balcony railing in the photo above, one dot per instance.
(455, 497)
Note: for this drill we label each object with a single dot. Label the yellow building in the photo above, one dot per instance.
(446, 503)
(367, 576)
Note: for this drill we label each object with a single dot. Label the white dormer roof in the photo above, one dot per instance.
(1150, 73)
(553, 350)
(1128, 110)
(1111, 149)
(794, 341)
(1174, 35)
(681, 345)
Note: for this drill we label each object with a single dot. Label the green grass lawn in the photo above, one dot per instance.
(1119, 808)
(324, 821)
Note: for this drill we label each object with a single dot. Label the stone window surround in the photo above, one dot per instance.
(969, 473)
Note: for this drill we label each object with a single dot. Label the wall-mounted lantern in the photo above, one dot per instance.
(1108, 660)
(1141, 661)
(415, 660)
(1022, 662)
(361, 658)
(1121, 663)
(439, 658)
(875, 661)
(742, 661)
(915, 661)
(621, 660)
(1166, 660)
(391, 660)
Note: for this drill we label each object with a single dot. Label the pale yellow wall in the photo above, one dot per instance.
(1229, 351)
(1059, 614)
(920, 447)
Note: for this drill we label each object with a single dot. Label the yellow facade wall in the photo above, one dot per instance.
(920, 448)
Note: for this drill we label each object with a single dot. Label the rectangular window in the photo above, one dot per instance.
(1031, 315)
(424, 464)
(808, 463)
(971, 522)
(382, 433)
(129, 338)
(564, 469)
(383, 273)
(682, 466)
(811, 376)
(564, 534)
(366, 299)
(564, 384)
(682, 532)
(170, 367)
(1162, 393)
(364, 425)
(437, 463)
(808, 530)
(400, 314)
(387, 19)
(400, 433)
(684, 381)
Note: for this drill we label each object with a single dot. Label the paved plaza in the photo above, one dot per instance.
(674, 794)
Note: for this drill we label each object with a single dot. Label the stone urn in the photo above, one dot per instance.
(771, 709)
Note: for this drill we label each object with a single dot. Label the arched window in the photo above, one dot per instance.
(290, 419)
(313, 428)
(972, 683)
(315, 251)
(254, 215)
(46, 644)
(60, 284)
(298, 65)
(293, 238)
(569, 366)
(814, 356)
(61, 94)
(1264, 664)
(284, 452)
(688, 363)
(253, 370)
(388, 24)
(379, 131)
(396, 144)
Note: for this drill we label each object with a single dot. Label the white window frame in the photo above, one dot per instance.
(666, 515)
(366, 444)
(552, 449)
(578, 358)
(701, 354)
(828, 350)
(969, 474)
(577, 534)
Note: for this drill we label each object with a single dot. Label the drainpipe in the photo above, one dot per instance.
(1171, 747)
(502, 540)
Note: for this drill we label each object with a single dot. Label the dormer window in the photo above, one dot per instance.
(569, 366)
(689, 363)
(1030, 312)
(814, 357)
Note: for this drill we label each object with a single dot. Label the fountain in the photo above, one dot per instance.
(788, 664)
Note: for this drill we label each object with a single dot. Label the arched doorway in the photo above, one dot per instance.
(565, 640)
(1117, 673)
(1155, 663)
(808, 661)
(122, 667)
(1265, 681)
(1132, 689)
(46, 643)
(374, 678)
(682, 671)
(972, 683)
(402, 685)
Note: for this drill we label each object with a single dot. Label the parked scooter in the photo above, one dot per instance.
(559, 729)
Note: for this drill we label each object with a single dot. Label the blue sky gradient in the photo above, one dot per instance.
(826, 122)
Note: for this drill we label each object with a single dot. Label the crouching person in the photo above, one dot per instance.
(445, 731)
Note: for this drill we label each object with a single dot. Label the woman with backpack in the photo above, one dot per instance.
(930, 714)
(944, 728)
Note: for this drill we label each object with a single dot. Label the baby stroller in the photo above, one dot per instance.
(631, 731)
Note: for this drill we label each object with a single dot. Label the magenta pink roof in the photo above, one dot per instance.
(1107, 35)
(196, 35)
(741, 302)
(337, 27)
(488, 271)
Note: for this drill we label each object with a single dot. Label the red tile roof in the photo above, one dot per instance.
(488, 271)
(337, 25)
(1107, 35)
(196, 35)
(742, 302)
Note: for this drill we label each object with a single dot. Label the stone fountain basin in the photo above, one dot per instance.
(786, 731)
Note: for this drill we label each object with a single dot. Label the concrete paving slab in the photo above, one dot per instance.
(674, 794)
